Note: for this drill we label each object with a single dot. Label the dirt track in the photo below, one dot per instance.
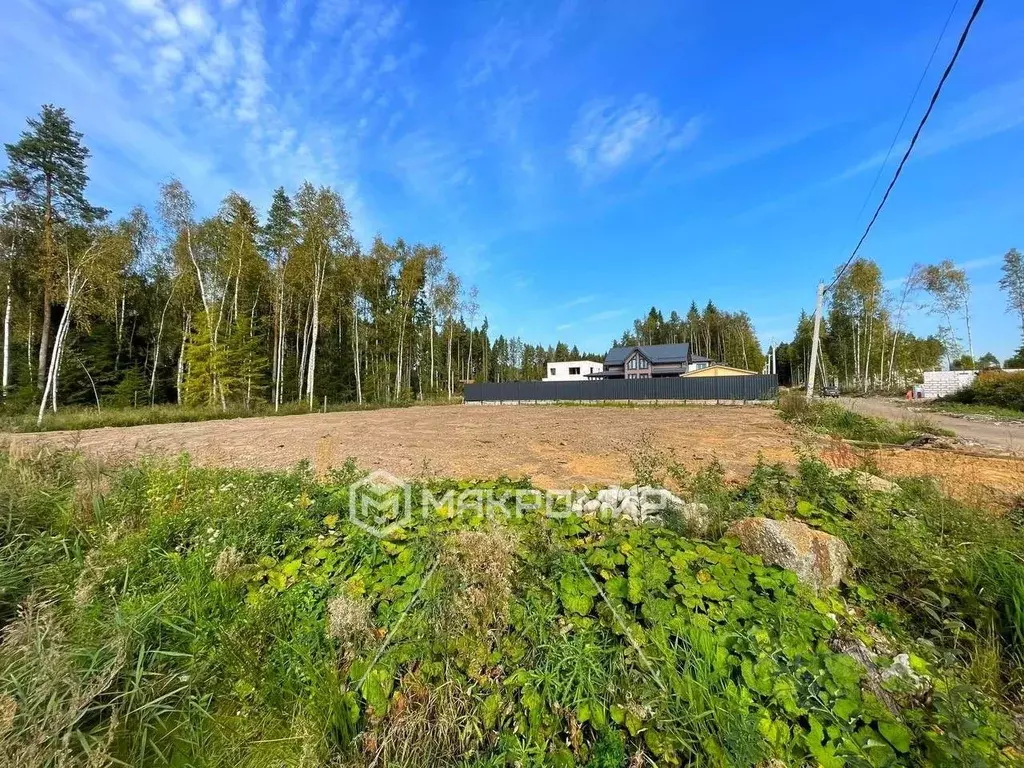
(1000, 435)
(556, 446)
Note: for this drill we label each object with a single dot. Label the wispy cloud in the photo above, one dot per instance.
(608, 136)
(579, 301)
(515, 42)
(989, 112)
(608, 314)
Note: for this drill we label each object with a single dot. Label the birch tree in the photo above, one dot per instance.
(324, 231)
(951, 294)
(92, 259)
(279, 240)
(1012, 282)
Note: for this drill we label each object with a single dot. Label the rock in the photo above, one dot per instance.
(899, 678)
(926, 440)
(870, 482)
(695, 515)
(897, 686)
(819, 560)
(592, 507)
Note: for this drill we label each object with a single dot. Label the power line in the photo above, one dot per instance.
(906, 113)
(913, 141)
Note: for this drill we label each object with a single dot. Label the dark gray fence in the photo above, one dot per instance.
(692, 388)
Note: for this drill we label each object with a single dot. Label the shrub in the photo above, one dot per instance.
(996, 388)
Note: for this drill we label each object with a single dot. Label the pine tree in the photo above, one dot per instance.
(47, 170)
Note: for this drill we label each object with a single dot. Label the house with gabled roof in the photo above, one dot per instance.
(650, 361)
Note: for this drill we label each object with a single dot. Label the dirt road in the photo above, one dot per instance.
(1005, 437)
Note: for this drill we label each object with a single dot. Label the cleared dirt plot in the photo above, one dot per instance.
(556, 446)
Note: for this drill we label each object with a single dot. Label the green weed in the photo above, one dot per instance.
(190, 616)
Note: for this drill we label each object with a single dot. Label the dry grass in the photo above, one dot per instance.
(54, 695)
(479, 565)
(349, 620)
(426, 726)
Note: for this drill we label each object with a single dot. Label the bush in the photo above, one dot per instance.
(996, 388)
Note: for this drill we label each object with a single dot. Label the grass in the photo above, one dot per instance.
(964, 409)
(833, 419)
(79, 418)
(171, 615)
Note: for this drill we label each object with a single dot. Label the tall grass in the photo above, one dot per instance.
(833, 419)
(78, 418)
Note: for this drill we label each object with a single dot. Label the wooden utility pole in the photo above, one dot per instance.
(814, 340)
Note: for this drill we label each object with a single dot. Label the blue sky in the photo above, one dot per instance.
(580, 161)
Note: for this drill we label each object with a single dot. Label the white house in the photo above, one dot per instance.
(572, 370)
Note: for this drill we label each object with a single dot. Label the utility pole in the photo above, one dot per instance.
(814, 340)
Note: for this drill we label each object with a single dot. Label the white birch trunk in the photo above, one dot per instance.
(355, 353)
(7, 342)
(49, 389)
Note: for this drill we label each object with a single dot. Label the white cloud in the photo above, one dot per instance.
(87, 12)
(165, 25)
(607, 136)
(194, 17)
(515, 43)
(580, 300)
(252, 84)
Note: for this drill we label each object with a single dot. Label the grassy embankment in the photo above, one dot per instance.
(76, 418)
(830, 418)
(170, 615)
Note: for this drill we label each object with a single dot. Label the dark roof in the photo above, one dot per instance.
(656, 353)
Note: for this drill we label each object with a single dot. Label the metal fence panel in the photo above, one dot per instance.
(693, 388)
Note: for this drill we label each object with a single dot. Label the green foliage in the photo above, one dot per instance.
(834, 419)
(88, 418)
(994, 388)
(211, 617)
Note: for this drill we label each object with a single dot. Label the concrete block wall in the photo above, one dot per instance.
(942, 383)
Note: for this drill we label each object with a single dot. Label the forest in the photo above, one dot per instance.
(238, 310)
(231, 310)
(725, 337)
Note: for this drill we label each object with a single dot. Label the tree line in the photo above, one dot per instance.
(864, 339)
(724, 337)
(226, 310)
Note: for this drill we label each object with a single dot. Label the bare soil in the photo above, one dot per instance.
(555, 446)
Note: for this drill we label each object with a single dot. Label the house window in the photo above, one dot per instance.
(632, 363)
(591, 369)
(643, 362)
(552, 371)
(574, 371)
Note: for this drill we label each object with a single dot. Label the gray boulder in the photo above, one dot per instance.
(819, 560)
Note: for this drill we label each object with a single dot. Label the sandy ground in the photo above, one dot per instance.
(556, 446)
